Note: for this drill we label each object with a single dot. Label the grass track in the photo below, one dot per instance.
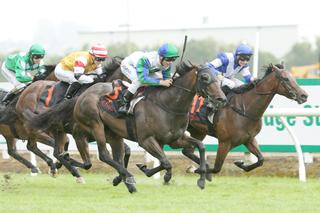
(23, 193)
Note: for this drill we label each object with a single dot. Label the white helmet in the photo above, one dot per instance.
(99, 51)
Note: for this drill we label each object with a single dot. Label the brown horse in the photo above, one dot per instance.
(12, 128)
(240, 120)
(161, 118)
(29, 101)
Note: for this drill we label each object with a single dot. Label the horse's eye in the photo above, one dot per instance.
(205, 78)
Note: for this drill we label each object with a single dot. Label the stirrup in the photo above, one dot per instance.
(124, 108)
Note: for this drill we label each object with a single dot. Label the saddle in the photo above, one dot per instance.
(111, 102)
(54, 94)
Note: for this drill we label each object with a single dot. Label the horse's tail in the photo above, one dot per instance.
(60, 113)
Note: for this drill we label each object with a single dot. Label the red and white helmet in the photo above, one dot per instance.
(99, 51)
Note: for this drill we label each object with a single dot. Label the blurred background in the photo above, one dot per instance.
(276, 30)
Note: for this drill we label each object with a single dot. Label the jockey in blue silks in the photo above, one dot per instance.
(227, 65)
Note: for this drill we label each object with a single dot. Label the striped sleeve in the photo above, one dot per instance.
(166, 74)
(79, 65)
(142, 67)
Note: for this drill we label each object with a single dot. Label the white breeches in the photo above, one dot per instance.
(11, 77)
(68, 76)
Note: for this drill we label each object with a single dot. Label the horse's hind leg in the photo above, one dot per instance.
(60, 140)
(32, 146)
(104, 156)
(82, 146)
(117, 153)
(253, 147)
(12, 151)
(153, 147)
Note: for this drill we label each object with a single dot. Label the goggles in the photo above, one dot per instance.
(170, 59)
(38, 56)
(99, 59)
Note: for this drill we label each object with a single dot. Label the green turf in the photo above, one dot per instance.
(23, 193)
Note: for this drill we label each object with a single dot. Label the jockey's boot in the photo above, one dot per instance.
(8, 97)
(125, 102)
(72, 89)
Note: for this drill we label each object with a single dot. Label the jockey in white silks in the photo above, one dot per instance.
(227, 65)
(146, 69)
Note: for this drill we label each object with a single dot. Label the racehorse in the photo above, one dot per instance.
(170, 125)
(240, 120)
(161, 118)
(12, 128)
(29, 101)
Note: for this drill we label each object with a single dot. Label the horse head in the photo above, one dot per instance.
(287, 86)
(207, 84)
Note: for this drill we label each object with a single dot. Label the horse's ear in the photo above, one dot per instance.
(275, 68)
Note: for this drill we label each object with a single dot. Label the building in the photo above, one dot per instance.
(275, 39)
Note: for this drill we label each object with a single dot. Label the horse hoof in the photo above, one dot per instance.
(53, 172)
(239, 164)
(116, 181)
(35, 171)
(142, 167)
(201, 183)
(58, 165)
(209, 176)
(80, 180)
(33, 174)
(167, 178)
(131, 188)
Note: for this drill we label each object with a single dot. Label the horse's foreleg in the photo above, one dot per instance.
(153, 147)
(201, 161)
(12, 151)
(223, 149)
(253, 147)
(189, 152)
(32, 146)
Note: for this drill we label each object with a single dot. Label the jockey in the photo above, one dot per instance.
(75, 68)
(17, 69)
(227, 65)
(145, 68)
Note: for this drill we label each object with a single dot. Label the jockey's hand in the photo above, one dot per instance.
(166, 83)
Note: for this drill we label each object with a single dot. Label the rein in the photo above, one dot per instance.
(243, 112)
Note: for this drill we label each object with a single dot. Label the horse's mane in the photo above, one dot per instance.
(246, 87)
(112, 65)
(183, 68)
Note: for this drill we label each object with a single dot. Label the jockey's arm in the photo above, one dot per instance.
(142, 68)
(78, 69)
(21, 73)
(166, 74)
(248, 78)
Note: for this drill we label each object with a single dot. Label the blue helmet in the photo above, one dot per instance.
(243, 49)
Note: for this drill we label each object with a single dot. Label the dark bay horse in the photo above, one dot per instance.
(12, 128)
(29, 101)
(240, 120)
(161, 118)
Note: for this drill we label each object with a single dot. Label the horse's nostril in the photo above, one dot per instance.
(304, 96)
